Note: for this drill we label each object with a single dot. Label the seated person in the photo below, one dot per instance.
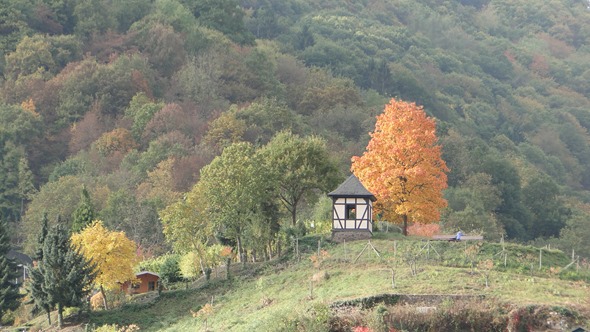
(458, 236)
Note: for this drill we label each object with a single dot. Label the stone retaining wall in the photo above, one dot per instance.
(340, 236)
(392, 299)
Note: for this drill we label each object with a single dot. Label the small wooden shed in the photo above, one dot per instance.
(352, 211)
(146, 282)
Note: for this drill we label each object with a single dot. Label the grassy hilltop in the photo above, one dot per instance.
(339, 293)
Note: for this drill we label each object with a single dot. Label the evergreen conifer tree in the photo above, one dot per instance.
(84, 213)
(38, 296)
(65, 277)
(26, 186)
(9, 295)
(35, 285)
(41, 239)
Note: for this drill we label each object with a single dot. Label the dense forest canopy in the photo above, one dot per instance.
(130, 99)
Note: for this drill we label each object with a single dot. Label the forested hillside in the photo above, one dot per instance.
(132, 98)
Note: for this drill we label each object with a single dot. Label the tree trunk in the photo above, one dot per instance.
(294, 214)
(227, 263)
(60, 316)
(279, 247)
(405, 226)
(240, 253)
(48, 316)
(104, 298)
(202, 267)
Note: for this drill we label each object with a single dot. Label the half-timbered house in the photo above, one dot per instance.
(352, 211)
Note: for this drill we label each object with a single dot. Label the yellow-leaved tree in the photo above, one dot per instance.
(403, 166)
(114, 255)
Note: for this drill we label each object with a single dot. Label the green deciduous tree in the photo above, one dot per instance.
(162, 44)
(129, 11)
(31, 55)
(18, 124)
(120, 80)
(12, 24)
(159, 186)
(62, 13)
(261, 69)
(174, 13)
(64, 49)
(138, 219)
(43, 54)
(141, 110)
(59, 198)
(265, 117)
(225, 130)
(472, 207)
(93, 17)
(549, 214)
(199, 79)
(9, 295)
(323, 92)
(512, 213)
(18, 127)
(235, 185)
(577, 230)
(193, 264)
(186, 224)
(302, 166)
(224, 15)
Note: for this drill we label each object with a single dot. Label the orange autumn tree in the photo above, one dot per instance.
(403, 167)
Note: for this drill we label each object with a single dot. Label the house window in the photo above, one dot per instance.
(151, 285)
(350, 211)
(135, 285)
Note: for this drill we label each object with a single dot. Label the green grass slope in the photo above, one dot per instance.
(275, 296)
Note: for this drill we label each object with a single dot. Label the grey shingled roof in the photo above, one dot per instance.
(352, 187)
(19, 257)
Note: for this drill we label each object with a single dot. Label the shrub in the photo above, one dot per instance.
(317, 318)
(170, 270)
(167, 266)
(457, 316)
(116, 328)
(427, 230)
(7, 318)
(376, 320)
(106, 328)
